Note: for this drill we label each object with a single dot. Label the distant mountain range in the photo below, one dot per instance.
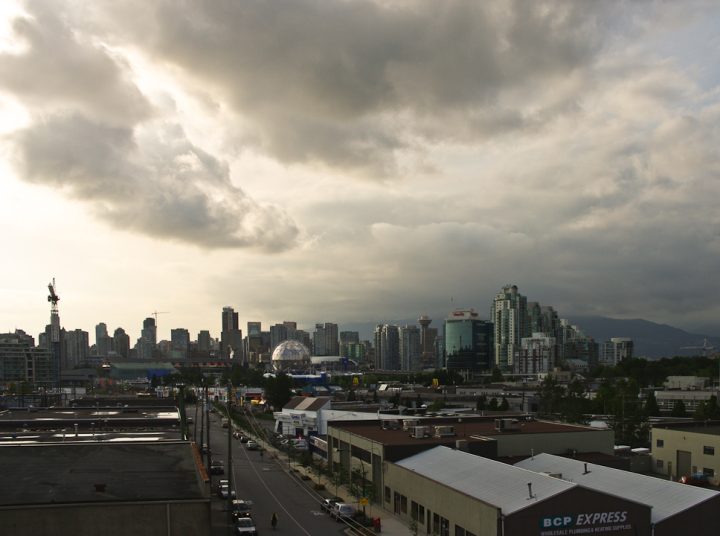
(653, 341)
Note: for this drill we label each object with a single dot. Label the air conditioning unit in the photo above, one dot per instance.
(443, 431)
(418, 432)
(506, 425)
(408, 424)
(389, 424)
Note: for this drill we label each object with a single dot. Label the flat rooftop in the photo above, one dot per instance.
(470, 428)
(695, 427)
(69, 473)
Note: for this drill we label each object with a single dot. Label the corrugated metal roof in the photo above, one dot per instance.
(495, 483)
(666, 498)
(307, 403)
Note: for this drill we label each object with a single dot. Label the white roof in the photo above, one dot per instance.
(666, 498)
(479, 477)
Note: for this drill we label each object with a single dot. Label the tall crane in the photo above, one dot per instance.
(155, 314)
(53, 298)
(704, 347)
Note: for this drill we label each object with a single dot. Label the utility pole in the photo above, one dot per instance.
(207, 429)
(229, 462)
(181, 407)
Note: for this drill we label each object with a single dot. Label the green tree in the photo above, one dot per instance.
(493, 404)
(351, 397)
(628, 419)
(707, 410)
(278, 390)
(504, 405)
(338, 477)
(679, 410)
(574, 405)
(437, 404)
(210, 379)
(481, 401)
(496, 375)
(651, 406)
(154, 381)
(551, 395)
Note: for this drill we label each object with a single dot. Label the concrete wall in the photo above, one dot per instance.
(520, 444)
(685, 439)
(109, 519)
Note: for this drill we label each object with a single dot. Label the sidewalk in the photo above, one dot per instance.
(390, 523)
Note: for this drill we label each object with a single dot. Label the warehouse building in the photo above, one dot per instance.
(675, 508)
(109, 488)
(452, 492)
(684, 449)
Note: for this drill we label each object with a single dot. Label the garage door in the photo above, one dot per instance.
(684, 463)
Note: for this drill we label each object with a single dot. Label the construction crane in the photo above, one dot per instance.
(158, 313)
(704, 347)
(53, 298)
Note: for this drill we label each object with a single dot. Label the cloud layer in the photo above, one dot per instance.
(395, 153)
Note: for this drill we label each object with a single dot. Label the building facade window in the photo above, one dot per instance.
(387, 494)
(659, 463)
(660, 443)
(403, 504)
(708, 471)
(710, 451)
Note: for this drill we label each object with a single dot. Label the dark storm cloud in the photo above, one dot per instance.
(92, 136)
(351, 83)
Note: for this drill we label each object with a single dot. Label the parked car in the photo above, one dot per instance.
(327, 504)
(695, 480)
(223, 483)
(189, 420)
(244, 439)
(217, 468)
(341, 510)
(251, 445)
(223, 493)
(245, 526)
(240, 509)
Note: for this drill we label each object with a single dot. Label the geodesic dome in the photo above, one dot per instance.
(290, 355)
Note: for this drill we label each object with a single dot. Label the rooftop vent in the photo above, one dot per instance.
(408, 424)
(444, 431)
(506, 425)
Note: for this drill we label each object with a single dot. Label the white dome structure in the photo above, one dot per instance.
(291, 355)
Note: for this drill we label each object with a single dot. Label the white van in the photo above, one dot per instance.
(342, 511)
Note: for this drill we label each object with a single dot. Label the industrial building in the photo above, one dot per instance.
(452, 492)
(675, 508)
(684, 449)
(109, 488)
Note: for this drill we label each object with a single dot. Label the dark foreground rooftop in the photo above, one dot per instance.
(99, 472)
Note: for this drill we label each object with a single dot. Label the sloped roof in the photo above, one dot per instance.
(478, 477)
(666, 498)
(307, 403)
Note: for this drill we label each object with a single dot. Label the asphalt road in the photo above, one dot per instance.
(270, 488)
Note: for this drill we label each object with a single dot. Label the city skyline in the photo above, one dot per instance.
(311, 174)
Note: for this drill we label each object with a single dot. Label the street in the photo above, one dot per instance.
(269, 487)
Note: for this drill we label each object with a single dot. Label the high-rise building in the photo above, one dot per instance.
(409, 341)
(149, 331)
(617, 349)
(387, 347)
(427, 343)
(582, 346)
(278, 334)
(254, 328)
(349, 337)
(204, 341)
(538, 354)
(180, 341)
(509, 315)
(325, 339)
(78, 347)
(290, 326)
(467, 342)
(356, 352)
(231, 335)
(144, 348)
(19, 361)
(106, 345)
(122, 343)
(100, 331)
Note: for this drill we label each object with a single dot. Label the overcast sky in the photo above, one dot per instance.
(356, 161)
